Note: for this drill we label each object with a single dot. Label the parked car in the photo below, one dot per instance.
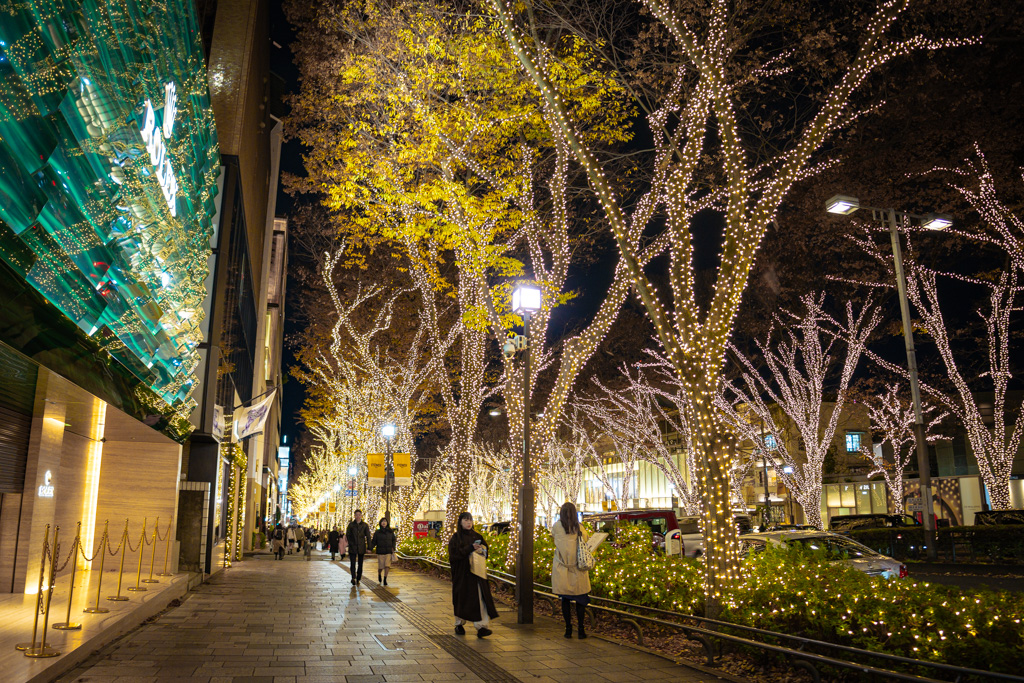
(500, 527)
(838, 548)
(841, 523)
(993, 517)
(671, 534)
(661, 522)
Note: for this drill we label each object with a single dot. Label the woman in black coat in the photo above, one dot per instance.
(471, 595)
(334, 541)
(384, 543)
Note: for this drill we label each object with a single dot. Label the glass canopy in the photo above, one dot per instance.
(108, 172)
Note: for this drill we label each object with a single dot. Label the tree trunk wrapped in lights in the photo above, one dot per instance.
(706, 107)
(799, 365)
(892, 417)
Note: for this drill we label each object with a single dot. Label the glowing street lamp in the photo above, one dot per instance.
(846, 205)
(526, 300)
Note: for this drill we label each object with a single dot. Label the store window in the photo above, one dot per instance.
(853, 441)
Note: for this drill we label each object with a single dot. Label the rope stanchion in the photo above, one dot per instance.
(167, 552)
(67, 624)
(120, 572)
(39, 593)
(142, 547)
(152, 556)
(42, 651)
(104, 540)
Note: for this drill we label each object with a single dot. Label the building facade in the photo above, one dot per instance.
(108, 189)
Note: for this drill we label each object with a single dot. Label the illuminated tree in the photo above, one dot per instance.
(429, 141)
(994, 439)
(562, 470)
(799, 362)
(701, 122)
(892, 417)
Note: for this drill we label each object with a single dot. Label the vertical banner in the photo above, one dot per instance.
(376, 469)
(403, 469)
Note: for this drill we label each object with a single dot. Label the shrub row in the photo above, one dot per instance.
(801, 592)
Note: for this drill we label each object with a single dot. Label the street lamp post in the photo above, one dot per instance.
(845, 205)
(787, 469)
(388, 432)
(764, 463)
(526, 300)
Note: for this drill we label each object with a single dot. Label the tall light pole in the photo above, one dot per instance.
(526, 300)
(388, 432)
(764, 463)
(846, 205)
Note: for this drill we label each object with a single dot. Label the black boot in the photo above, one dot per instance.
(378, 577)
(567, 615)
(581, 612)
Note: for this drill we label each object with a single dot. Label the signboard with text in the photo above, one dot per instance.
(403, 469)
(376, 469)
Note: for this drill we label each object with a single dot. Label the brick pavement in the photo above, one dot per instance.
(292, 621)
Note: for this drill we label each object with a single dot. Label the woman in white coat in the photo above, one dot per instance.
(568, 581)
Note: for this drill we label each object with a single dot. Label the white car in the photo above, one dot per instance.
(837, 548)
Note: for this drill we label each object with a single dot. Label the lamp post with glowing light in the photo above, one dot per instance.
(845, 205)
(388, 432)
(788, 469)
(526, 300)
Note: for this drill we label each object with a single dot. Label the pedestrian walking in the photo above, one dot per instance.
(471, 595)
(333, 539)
(568, 581)
(358, 536)
(277, 542)
(290, 536)
(384, 544)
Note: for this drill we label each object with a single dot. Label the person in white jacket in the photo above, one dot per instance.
(569, 582)
(291, 539)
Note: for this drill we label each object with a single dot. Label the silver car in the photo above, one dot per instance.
(837, 548)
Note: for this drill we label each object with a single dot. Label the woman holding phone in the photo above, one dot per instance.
(471, 595)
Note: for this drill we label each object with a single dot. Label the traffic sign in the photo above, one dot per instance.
(915, 504)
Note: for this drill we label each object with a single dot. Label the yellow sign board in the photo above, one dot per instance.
(403, 469)
(376, 469)
(323, 507)
(333, 507)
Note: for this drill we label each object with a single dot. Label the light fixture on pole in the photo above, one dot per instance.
(388, 432)
(526, 300)
(844, 205)
(788, 469)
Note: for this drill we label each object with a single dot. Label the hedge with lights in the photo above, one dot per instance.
(803, 593)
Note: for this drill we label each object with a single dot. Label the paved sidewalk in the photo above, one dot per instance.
(294, 621)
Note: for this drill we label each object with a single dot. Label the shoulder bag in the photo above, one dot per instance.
(584, 558)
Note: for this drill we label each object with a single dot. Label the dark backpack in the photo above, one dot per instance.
(278, 535)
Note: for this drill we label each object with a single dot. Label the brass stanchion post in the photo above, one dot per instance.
(42, 651)
(99, 577)
(120, 572)
(142, 551)
(67, 624)
(167, 552)
(152, 556)
(39, 593)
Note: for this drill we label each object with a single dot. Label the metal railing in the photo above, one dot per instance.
(706, 631)
(50, 566)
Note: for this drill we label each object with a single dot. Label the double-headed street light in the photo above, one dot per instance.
(845, 205)
(388, 432)
(526, 300)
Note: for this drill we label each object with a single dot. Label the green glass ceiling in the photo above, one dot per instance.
(108, 170)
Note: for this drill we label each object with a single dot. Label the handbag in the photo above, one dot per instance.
(478, 564)
(584, 557)
(394, 557)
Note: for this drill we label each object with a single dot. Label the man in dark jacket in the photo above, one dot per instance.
(358, 536)
(333, 541)
(384, 544)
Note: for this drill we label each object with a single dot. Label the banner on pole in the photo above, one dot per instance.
(376, 469)
(219, 423)
(403, 469)
(250, 420)
(323, 507)
(333, 507)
